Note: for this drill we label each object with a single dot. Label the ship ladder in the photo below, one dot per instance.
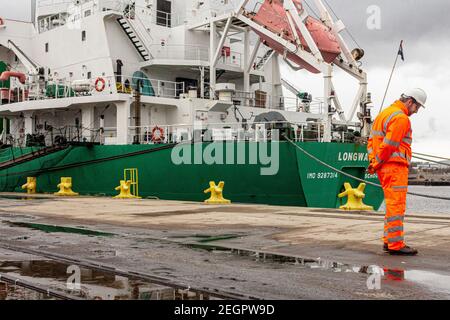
(133, 176)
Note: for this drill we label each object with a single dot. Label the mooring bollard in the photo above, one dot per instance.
(65, 188)
(216, 193)
(355, 198)
(31, 185)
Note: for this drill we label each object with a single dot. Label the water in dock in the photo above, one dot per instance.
(423, 205)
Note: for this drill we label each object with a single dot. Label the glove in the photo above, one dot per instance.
(371, 169)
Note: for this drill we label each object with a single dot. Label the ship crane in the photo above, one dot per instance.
(32, 68)
(314, 45)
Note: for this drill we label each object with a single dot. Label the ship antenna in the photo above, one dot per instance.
(400, 53)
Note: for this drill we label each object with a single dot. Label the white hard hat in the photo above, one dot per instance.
(418, 94)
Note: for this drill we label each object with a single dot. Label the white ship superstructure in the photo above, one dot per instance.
(110, 72)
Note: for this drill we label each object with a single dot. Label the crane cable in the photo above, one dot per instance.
(346, 29)
(432, 161)
(356, 178)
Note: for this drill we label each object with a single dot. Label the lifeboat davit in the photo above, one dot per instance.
(272, 16)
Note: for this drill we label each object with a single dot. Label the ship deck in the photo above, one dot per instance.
(271, 252)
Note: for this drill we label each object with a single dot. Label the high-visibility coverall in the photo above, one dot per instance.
(389, 149)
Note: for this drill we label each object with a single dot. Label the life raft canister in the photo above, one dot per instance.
(100, 84)
(157, 134)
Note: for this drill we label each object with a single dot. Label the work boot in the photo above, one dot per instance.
(386, 247)
(405, 251)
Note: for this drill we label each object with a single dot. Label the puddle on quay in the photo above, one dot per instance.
(11, 292)
(52, 229)
(433, 281)
(95, 285)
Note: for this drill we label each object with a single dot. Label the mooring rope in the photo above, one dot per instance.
(430, 156)
(432, 161)
(356, 178)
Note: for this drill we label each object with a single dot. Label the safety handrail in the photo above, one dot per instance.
(138, 27)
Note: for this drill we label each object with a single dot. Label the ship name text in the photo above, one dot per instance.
(353, 156)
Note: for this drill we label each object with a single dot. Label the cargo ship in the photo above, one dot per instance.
(181, 93)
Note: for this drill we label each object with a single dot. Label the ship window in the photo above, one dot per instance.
(87, 13)
(89, 75)
(83, 35)
(46, 47)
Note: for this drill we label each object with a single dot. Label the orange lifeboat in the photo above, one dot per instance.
(272, 16)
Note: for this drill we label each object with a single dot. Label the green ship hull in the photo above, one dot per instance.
(299, 180)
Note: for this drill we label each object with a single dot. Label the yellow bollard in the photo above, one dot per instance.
(216, 193)
(355, 198)
(65, 188)
(129, 186)
(125, 190)
(30, 185)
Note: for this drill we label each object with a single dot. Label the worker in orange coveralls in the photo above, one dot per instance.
(389, 149)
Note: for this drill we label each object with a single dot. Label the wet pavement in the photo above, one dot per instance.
(94, 284)
(263, 256)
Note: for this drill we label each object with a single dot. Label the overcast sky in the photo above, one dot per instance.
(423, 25)
(16, 9)
(425, 28)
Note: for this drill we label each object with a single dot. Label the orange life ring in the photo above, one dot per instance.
(102, 83)
(157, 134)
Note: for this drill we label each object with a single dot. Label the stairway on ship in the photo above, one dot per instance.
(131, 34)
(31, 156)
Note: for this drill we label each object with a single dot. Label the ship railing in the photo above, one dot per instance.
(164, 19)
(139, 28)
(256, 131)
(261, 99)
(211, 9)
(59, 135)
(51, 22)
(200, 132)
(149, 87)
(49, 3)
(180, 52)
(154, 16)
(70, 14)
(64, 88)
(193, 52)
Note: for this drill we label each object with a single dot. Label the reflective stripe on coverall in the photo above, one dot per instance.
(389, 149)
